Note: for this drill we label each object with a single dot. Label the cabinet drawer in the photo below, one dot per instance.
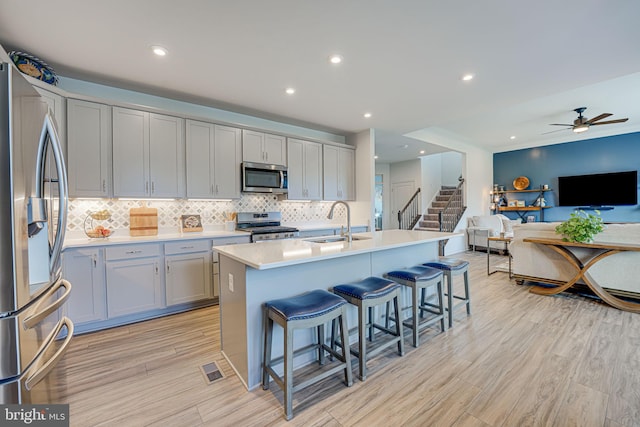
(187, 246)
(231, 240)
(131, 251)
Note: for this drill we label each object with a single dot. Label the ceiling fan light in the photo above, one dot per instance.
(581, 128)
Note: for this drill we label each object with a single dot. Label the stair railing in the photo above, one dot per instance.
(453, 210)
(450, 215)
(409, 215)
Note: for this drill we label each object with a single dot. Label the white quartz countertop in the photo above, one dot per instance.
(122, 237)
(282, 253)
(77, 239)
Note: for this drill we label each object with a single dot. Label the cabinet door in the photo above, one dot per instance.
(89, 147)
(330, 172)
(227, 158)
(130, 153)
(295, 152)
(199, 159)
(133, 286)
(275, 149)
(166, 158)
(313, 170)
(188, 277)
(57, 106)
(252, 146)
(84, 269)
(346, 174)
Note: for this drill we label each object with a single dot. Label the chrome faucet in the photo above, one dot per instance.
(330, 216)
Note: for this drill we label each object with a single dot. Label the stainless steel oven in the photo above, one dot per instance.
(265, 226)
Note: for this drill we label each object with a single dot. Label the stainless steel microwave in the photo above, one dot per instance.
(264, 178)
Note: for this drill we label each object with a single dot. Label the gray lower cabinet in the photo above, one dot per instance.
(133, 279)
(118, 284)
(188, 271)
(84, 269)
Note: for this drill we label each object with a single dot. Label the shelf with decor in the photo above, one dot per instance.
(498, 197)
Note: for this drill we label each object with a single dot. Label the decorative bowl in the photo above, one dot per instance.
(521, 183)
(34, 67)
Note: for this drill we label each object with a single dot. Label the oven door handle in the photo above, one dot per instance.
(32, 320)
(44, 369)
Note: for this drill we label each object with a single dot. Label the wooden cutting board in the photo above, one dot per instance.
(143, 221)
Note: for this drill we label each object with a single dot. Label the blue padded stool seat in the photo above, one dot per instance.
(451, 264)
(311, 304)
(309, 310)
(366, 295)
(371, 287)
(419, 272)
(453, 267)
(420, 278)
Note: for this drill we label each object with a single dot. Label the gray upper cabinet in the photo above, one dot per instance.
(213, 160)
(262, 147)
(339, 173)
(148, 154)
(89, 149)
(56, 104)
(305, 170)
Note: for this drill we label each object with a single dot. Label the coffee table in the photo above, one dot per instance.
(506, 241)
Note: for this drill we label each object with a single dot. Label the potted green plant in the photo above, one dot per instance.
(581, 227)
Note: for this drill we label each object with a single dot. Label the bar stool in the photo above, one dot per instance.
(309, 310)
(420, 278)
(453, 267)
(366, 295)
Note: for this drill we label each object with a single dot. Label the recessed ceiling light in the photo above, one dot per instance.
(375, 157)
(421, 151)
(159, 50)
(512, 137)
(467, 77)
(335, 59)
(367, 115)
(290, 91)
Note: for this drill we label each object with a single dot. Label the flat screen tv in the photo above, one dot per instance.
(602, 189)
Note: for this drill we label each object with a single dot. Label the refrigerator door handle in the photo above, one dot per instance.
(49, 134)
(41, 370)
(32, 320)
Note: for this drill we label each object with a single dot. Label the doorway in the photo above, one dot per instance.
(401, 192)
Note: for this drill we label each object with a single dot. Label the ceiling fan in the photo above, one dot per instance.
(582, 124)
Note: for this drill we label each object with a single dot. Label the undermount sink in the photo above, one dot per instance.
(332, 239)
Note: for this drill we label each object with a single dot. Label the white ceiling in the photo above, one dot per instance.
(534, 62)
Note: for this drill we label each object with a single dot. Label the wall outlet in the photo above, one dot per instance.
(230, 282)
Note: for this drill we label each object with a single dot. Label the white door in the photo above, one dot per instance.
(401, 192)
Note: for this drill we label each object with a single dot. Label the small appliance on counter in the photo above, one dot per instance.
(265, 226)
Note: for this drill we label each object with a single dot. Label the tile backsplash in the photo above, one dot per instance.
(210, 211)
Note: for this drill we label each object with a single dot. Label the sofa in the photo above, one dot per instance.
(619, 273)
(481, 226)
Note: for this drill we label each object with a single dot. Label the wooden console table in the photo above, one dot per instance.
(599, 251)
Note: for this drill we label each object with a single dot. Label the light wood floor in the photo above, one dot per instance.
(520, 359)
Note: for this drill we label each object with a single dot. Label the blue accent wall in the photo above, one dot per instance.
(543, 165)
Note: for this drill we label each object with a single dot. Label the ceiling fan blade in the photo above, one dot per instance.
(600, 117)
(560, 124)
(557, 130)
(608, 122)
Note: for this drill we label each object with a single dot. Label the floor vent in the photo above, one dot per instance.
(211, 372)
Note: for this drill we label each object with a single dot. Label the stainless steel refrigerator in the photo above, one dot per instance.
(34, 333)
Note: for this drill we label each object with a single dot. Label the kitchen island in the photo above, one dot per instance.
(251, 274)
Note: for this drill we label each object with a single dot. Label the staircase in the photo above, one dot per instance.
(449, 198)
